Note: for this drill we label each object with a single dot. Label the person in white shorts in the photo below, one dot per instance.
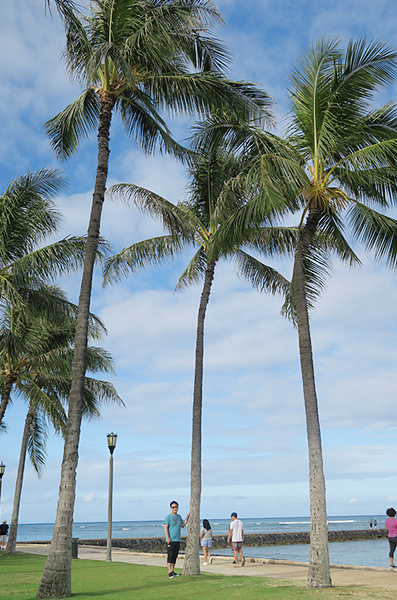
(206, 541)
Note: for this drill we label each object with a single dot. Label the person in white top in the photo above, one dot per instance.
(236, 534)
(206, 541)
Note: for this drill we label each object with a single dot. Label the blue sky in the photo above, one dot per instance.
(254, 439)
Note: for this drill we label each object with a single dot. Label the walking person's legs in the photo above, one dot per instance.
(392, 544)
(242, 556)
(235, 548)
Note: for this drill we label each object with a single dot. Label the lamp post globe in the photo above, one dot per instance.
(112, 438)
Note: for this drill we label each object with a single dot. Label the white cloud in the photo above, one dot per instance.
(90, 497)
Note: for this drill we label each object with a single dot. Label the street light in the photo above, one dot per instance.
(2, 469)
(112, 438)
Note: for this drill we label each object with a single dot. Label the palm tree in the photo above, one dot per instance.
(351, 152)
(135, 57)
(44, 379)
(30, 342)
(337, 160)
(27, 216)
(197, 222)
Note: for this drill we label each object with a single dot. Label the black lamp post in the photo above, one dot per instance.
(2, 469)
(112, 438)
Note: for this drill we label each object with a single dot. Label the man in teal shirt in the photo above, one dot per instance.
(172, 528)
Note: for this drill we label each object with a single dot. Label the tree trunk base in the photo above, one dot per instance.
(56, 580)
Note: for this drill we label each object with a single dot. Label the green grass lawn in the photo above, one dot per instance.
(20, 576)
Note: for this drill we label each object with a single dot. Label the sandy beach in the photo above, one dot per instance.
(342, 575)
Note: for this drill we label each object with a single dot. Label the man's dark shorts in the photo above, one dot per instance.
(172, 552)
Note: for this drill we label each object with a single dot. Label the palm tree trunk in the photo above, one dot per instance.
(192, 558)
(56, 579)
(319, 572)
(5, 398)
(12, 537)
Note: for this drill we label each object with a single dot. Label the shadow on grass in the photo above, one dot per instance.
(134, 588)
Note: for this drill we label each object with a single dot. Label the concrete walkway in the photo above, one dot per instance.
(342, 575)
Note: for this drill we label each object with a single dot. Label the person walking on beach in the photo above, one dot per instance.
(3, 534)
(391, 526)
(206, 541)
(172, 528)
(236, 534)
(375, 523)
(370, 524)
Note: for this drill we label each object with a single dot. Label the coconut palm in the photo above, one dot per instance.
(196, 223)
(350, 151)
(36, 357)
(27, 217)
(26, 338)
(43, 376)
(134, 57)
(336, 162)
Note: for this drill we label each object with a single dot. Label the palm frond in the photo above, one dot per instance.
(100, 360)
(261, 276)
(330, 237)
(201, 94)
(265, 207)
(28, 213)
(175, 218)
(61, 257)
(273, 241)
(97, 393)
(144, 124)
(152, 252)
(63, 6)
(37, 443)
(194, 271)
(76, 121)
(376, 231)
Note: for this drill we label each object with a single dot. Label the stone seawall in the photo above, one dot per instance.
(250, 539)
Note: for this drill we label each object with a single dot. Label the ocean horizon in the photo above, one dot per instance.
(365, 553)
(154, 528)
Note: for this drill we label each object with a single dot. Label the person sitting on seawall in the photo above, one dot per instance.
(206, 541)
(391, 526)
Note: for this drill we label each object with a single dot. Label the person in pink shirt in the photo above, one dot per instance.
(391, 526)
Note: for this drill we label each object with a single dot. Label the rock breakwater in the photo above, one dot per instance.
(250, 539)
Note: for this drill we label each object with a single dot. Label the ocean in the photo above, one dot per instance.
(366, 553)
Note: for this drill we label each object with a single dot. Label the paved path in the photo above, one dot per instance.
(341, 575)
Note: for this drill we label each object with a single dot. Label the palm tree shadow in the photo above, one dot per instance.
(135, 588)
